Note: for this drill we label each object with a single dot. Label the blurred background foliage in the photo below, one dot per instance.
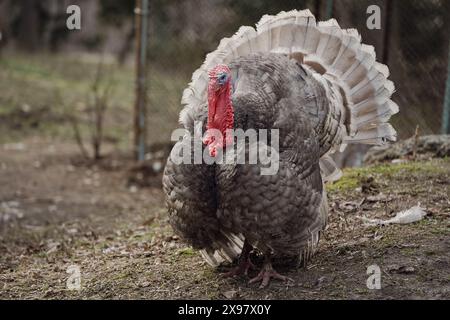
(39, 56)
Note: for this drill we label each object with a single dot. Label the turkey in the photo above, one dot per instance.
(321, 89)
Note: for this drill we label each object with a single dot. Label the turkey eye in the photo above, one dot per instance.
(222, 78)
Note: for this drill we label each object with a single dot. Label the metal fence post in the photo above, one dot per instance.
(141, 12)
(446, 107)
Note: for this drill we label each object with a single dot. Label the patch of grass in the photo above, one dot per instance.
(187, 252)
(352, 176)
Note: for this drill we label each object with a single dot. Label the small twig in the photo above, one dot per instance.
(74, 123)
(98, 110)
(78, 138)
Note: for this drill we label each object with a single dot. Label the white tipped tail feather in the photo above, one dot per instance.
(226, 251)
(355, 83)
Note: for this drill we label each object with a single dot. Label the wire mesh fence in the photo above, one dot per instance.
(413, 41)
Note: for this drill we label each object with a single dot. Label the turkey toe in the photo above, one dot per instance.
(266, 274)
(241, 269)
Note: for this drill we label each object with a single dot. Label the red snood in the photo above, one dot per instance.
(220, 116)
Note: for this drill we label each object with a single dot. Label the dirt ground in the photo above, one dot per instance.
(57, 211)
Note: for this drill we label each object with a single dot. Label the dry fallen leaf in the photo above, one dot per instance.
(411, 215)
(230, 294)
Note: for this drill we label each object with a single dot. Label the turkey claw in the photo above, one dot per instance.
(266, 274)
(241, 269)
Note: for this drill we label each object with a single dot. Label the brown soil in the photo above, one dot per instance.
(57, 211)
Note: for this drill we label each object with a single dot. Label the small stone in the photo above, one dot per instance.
(406, 270)
(395, 268)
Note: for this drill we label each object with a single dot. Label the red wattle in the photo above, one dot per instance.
(220, 113)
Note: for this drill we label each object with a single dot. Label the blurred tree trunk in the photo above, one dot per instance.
(56, 16)
(127, 44)
(4, 23)
(29, 26)
(318, 9)
(387, 31)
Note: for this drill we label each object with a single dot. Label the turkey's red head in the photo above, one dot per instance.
(220, 109)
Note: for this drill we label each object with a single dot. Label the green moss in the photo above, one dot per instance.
(351, 178)
(187, 252)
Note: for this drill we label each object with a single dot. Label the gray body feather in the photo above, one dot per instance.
(278, 214)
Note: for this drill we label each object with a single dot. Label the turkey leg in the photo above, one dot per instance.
(244, 263)
(267, 272)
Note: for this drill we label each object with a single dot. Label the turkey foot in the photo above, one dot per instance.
(244, 262)
(241, 269)
(267, 273)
